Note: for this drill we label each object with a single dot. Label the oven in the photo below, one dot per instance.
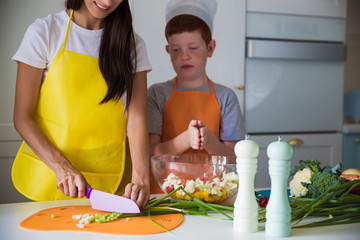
(294, 67)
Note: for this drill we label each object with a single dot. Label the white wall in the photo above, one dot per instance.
(15, 17)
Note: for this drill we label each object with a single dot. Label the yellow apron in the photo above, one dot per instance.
(91, 136)
(181, 108)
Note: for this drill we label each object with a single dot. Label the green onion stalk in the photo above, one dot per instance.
(337, 204)
(166, 205)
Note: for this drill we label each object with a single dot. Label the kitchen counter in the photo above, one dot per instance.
(193, 227)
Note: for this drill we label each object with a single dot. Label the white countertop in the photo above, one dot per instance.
(193, 227)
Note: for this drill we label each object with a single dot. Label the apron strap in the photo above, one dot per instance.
(213, 95)
(68, 27)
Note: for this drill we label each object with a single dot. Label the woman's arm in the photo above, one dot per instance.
(28, 83)
(137, 130)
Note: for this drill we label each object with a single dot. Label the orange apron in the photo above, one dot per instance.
(90, 135)
(181, 108)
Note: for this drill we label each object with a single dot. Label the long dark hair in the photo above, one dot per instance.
(117, 52)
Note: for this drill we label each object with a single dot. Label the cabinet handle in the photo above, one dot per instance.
(357, 140)
(295, 142)
(239, 87)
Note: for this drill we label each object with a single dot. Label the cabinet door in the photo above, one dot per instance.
(326, 148)
(351, 151)
(226, 66)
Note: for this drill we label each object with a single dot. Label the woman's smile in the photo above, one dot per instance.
(101, 7)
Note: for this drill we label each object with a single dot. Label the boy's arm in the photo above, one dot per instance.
(212, 144)
(176, 145)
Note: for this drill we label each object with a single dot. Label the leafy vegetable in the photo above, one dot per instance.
(322, 181)
(313, 165)
(337, 204)
(335, 201)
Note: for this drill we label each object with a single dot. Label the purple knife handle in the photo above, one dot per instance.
(88, 192)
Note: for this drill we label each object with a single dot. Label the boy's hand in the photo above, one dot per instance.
(204, 134)
(194, 135)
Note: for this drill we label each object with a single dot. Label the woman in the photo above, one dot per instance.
(81, 88)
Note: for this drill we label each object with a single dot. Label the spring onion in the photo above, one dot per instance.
(164, 205)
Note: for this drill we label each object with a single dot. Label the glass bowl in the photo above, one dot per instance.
(210, 178)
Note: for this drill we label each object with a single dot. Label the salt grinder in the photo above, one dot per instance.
(246, 206)
(278, 211)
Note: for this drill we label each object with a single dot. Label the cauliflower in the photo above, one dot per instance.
(230, 177)
(298, 183)
(190, 186)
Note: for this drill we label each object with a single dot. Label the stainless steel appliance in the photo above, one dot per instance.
(294, 70)
(294, 67)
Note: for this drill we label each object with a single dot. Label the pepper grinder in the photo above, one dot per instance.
(278, 211)
(246, 206)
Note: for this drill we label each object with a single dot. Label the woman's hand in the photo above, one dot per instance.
(138, 193)
(70, 181)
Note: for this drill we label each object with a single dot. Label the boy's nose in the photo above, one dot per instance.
(185, 54)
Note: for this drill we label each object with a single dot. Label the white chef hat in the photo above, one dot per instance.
(203, 9)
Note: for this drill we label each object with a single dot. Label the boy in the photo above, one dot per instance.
(191, 113)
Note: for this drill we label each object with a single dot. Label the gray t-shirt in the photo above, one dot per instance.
(232, 126)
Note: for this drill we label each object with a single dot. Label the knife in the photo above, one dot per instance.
(110, 202)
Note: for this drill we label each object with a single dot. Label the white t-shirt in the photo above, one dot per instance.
(44, 38)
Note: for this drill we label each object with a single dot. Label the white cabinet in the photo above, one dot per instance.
(326, 148)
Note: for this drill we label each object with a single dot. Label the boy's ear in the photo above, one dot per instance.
(167, 48)
(211, 47)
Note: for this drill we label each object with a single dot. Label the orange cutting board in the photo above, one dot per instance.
(63, 221)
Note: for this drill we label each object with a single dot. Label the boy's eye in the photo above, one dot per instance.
(193, 48)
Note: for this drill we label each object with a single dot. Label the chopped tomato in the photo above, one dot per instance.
(170, 188)
(185, 181)
(206, 178)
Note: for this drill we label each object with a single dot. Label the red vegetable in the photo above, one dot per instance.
(264, 201)
(170, 188)
(207, 177)
(185, 181)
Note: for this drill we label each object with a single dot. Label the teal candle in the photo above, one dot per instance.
(278, 211)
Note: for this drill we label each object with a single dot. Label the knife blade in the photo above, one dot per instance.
(110, 202)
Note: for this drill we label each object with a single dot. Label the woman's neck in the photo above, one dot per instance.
(84, 19)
